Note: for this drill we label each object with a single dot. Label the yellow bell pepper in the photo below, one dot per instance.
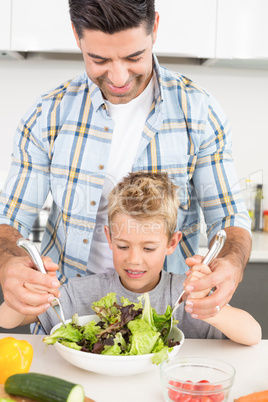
(15, 357)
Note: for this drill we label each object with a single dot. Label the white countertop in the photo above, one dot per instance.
(250, 362)
(259, 251)
(259, 247)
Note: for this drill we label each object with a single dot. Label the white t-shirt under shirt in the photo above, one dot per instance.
(129, 120)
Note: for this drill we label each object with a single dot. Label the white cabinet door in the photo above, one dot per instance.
(186, 28)
(42, 25)
(5, 21)
(242, 31)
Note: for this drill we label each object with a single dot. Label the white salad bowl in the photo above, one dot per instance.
(112, 365)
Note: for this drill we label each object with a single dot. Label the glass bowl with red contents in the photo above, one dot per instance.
(196, 379)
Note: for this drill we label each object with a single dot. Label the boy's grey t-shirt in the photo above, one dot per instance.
(79, 293)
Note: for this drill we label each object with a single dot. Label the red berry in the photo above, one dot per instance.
(175, 383)
(204, 386)
(186, 398)
(218, 397)
(189, 385)
(173, 394)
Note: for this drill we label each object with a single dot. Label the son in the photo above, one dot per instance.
(141, 232)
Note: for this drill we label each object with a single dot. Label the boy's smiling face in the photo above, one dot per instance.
(139, 248)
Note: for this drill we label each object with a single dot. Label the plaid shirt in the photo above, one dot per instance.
(62, 145)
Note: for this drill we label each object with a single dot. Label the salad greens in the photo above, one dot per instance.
(126, 329)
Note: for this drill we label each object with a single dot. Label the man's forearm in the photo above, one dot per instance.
(8, 247)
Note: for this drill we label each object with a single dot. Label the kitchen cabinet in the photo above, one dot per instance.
(251, 294)
(42, 26)
(187, 28)
(5, 22)
(242, 29)
(202, 29)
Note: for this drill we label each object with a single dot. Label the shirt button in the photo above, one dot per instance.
(101, 167)
(106, 128)
(78, 276)
(85, 241)
(93, 203)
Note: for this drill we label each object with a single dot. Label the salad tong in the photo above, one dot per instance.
(32, 251)
(211, 255)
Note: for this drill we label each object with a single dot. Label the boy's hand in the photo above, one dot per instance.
(227, 272)
(221, 278)
(198, 271)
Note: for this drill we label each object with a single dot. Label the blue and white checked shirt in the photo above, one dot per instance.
(62, 145)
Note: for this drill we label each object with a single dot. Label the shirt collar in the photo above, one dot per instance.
(95, 94)
(157, 80)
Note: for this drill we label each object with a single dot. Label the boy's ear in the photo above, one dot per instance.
(108, 236)
(175, 239)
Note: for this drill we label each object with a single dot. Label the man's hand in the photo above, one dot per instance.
(27, 290)
(227, 273)
(21, 282)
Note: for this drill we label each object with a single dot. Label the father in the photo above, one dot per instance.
(125, 113)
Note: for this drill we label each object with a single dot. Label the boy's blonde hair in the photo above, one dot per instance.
(146, 196)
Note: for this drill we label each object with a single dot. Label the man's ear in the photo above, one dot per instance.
(76, 37)
(155, 28)
(108, 235)
(174, 241)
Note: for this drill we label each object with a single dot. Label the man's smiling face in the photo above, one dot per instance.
(120, 64)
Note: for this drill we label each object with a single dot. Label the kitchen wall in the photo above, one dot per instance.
(241, 92)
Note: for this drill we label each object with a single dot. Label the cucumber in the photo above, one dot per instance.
(44, 388)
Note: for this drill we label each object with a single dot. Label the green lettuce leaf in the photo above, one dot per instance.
(106, 308)
(69, 333)
(143, 337)
(118, 348)
(106, 301)
(71, 345)
(159, 345)
(161, 319)
(160, 356)
(126, 302)
(90, 331)
(147, 313)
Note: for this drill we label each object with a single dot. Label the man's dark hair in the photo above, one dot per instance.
(111, 16)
